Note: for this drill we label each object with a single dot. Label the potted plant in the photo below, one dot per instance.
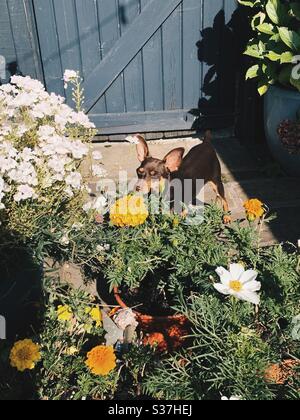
(276, 47)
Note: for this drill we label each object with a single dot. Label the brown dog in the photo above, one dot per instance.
(201, 163)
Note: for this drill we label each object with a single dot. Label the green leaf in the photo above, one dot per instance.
(273, 56)
(263, 88)
(266, 28)
(286, 57)
(253, 51)
(258, 20)
(247, 3)
(252, 72)
(272, 9)
(290, 38)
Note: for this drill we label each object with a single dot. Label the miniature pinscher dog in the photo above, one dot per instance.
(201, 163)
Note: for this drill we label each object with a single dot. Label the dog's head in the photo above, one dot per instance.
(152, 173)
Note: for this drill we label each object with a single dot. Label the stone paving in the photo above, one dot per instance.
(243, 175)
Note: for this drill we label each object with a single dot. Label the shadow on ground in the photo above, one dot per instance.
(227, 100)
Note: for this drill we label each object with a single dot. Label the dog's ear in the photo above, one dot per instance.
(141, 148)
(173, 159)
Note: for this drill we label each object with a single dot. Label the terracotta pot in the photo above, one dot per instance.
(168, 333)
(281, 373)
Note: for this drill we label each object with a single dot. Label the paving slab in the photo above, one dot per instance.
(122, 156)
(242, 175)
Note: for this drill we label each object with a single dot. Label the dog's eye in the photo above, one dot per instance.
(141, 173)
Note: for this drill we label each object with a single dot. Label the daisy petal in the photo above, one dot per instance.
(222, 288)
(224, 275)
(248, 275)
(252, 286)
(248, 296)
(236, 271)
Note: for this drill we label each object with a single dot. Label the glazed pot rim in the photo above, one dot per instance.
(282, 91)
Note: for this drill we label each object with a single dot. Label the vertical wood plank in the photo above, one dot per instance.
(68, 37)
(20, 34)
(229, 8)
(143, 3)
(133, 74)
(47, 33)
(110, 33)
(17, 40)
(153, 73)
(191, 65)
(153, 70)
(172, 60)
(89, 40)
(7, 46)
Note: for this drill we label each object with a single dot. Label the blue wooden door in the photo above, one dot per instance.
(139, 58)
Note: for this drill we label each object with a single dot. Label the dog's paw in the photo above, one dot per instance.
(227, 220)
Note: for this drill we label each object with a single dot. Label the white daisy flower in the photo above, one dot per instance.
(70, 75)
(239, 283)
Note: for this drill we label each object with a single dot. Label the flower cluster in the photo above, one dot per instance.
(43, 143)
(41, 146)
(255, 209)
(239, 283)
(101, 360)
(24, 355)
(129, 211)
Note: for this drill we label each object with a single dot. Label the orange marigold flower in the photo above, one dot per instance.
(129, 211)
(101, 360)
(255, 209)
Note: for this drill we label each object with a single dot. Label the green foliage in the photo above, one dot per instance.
(166, 248)
(275, 43)
(229, 355)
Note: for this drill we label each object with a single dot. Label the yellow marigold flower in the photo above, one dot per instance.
(95, 314)
(71, 351)
(64, 313)
(254, 209)
(101, 360)
(129, 211)
(24, 355)
(176, 222)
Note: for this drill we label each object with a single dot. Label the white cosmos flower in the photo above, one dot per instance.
(233, 398)
(239, 283)
(70, 75)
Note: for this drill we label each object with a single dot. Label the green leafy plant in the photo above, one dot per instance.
(234, 345)
(276, 43)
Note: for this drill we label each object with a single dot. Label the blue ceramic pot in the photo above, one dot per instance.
(281, 104)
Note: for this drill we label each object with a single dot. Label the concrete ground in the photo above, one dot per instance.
(243, 174)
